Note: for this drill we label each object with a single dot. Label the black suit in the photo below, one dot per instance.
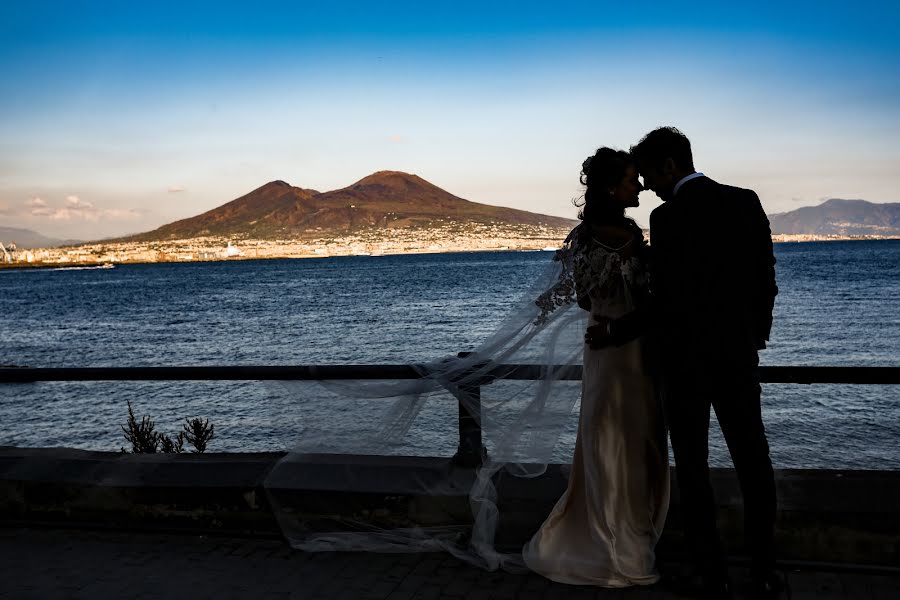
(713, 283)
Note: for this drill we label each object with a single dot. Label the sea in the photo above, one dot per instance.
(838, 305)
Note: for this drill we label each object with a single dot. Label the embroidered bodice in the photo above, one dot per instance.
(596, 274)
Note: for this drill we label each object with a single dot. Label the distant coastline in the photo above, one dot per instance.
(97, 265)
(787, 238)
(387, 212)
(216, 248)
(97, 255)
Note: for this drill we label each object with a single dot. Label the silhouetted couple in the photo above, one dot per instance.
(675, 328)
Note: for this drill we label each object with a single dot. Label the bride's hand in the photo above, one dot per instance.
(597, 336)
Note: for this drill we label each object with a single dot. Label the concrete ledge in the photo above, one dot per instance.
(67, 465)
(207, 492)
(831, 516)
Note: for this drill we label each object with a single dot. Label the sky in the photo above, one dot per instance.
(118, 117)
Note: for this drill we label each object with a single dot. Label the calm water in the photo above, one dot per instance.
(839, 305)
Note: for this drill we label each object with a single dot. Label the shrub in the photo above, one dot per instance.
(144, 438)
(198, 433)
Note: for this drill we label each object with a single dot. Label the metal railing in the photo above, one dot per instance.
(470, 451)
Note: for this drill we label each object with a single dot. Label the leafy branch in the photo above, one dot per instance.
(197, 433)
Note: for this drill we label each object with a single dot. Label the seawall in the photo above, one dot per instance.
(824, 516)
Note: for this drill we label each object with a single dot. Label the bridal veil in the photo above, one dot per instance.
(520, 385)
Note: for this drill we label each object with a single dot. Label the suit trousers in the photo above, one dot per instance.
(734, 393)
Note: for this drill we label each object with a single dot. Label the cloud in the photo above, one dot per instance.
(73, 214)
(38, 206)
(76, 209)
(396, 138)
(174, 189)
(75, 201)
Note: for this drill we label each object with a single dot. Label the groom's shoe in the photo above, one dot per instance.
(769, 585)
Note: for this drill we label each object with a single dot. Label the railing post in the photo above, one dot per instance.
(470, 453)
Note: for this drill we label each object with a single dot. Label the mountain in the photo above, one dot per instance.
(382, 201)
(840, 217)
(256, 214)
(26, 238)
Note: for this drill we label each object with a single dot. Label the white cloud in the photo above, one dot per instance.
(396, 138)
(38, 206)
(73, 214)
(75, 201)
(76, 209)
(174, 189)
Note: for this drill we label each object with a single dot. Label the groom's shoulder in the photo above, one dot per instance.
(659, 212)
(740, 204)
(732, 190)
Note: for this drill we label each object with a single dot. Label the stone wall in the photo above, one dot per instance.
(831, 516)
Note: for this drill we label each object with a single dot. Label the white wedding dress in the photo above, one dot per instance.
(604, 528)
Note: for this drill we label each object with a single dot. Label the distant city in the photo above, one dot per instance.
(447, 239)
(387, 212)
(214, 248)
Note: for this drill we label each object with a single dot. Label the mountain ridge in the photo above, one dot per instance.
(394, 200)
(381, 201)
(838, 216)
(28, 238)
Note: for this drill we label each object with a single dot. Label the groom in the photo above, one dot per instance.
(713, 279)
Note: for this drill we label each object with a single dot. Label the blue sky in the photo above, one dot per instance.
(117, 118)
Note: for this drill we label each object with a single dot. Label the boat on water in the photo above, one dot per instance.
(80, 267)
(549, 249)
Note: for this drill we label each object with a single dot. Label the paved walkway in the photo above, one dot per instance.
(99, 565)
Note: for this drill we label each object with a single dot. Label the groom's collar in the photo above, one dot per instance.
(683, 181)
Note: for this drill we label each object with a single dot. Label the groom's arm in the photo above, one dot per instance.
(616, 332)
(629, 327)
(764, 267)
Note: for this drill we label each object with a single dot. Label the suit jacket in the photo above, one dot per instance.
(712, 275)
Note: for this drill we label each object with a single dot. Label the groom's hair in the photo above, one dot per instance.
(660, 144)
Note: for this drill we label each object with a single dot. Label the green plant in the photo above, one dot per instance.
(198, 433)
(144, 438)
(168, 445)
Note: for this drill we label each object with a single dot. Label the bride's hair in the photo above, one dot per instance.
(605, 169)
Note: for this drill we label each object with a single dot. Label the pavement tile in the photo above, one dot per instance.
(109, 564)
(458, 587)
(381, 589)
(480, 594)
(413, 581)
(428, 592)
(399, 595)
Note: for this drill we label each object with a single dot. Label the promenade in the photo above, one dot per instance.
(95, 564)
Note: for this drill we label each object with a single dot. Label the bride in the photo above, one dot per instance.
(604, 528)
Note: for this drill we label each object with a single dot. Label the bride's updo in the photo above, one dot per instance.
(600, 172)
